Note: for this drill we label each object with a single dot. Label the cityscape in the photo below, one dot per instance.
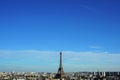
(59, 39)
(60, 75)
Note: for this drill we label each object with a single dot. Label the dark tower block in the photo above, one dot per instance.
(60, 74)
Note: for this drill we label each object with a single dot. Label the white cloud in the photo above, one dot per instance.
(72, 61)
(95, 47)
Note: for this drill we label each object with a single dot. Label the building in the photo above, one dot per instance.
(60, 74)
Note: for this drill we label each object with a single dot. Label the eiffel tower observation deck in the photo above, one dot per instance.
(60, 74)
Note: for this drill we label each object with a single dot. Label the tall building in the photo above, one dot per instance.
(60, 74)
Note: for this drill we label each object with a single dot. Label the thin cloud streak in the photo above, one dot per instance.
(90, 8)
(95, 47)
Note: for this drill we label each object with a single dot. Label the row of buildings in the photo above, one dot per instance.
(51, 76)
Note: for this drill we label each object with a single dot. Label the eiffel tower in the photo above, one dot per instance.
(60, 74)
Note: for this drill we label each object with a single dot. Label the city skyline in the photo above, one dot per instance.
(32, 33)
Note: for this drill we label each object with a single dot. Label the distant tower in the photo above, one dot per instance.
(60, 74)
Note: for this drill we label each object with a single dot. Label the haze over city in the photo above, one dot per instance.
(33, 32)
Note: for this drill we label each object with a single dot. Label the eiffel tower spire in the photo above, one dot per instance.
(60, 74)
(60, 59)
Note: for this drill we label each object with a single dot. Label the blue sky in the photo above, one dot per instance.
(50, 26)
